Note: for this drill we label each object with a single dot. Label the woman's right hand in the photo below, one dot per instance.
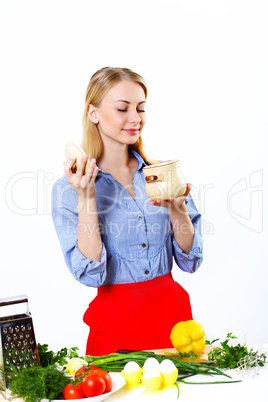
(82, 183)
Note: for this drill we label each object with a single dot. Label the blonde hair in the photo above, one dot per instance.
(98, 86)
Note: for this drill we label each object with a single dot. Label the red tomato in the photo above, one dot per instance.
(72, 392)
(79, 386)
(85, 370)
(93, 385)
(106, 376)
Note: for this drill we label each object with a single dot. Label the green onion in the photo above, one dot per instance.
(208, 382)
(117, 361)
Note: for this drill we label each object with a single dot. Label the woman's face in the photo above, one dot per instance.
(121, 116)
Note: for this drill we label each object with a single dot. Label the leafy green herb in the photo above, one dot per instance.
(48, 357)
(228, 356)
(189, 355)
(44, 381)
(36, 383)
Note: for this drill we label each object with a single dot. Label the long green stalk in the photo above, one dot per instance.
(117, 361)
(182, 378)
(208, 382)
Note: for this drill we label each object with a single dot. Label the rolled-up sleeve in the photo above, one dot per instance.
(65, 218)
(190, 262)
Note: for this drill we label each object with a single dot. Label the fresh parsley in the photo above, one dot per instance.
(229, 357)
(48, 357)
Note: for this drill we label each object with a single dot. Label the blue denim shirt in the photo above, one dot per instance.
(137, 238)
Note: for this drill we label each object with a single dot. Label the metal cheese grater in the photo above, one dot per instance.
(17, 343)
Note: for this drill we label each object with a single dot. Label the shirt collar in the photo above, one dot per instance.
(141, 162)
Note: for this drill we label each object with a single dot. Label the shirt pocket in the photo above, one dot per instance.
(158, 230)
(135, 237)
(121, 236)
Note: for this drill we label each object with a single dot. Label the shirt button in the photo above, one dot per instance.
(146, 272)
(139, 217)
(143, 244)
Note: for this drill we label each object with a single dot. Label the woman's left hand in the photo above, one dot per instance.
(172, 201)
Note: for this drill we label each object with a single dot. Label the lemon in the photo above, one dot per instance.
(151, 379)
(74, 364)
(132, 373)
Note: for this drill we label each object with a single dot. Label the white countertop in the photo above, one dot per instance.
(253, 387)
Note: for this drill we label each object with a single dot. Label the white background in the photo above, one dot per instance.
(205, 64)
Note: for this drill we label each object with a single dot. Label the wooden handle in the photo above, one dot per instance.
(151, 178)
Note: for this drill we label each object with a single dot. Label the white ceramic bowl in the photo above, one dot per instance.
(164, 180)
(117, 383)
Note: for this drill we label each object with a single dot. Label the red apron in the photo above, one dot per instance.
(135, 316)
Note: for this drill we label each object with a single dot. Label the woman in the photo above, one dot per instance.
(112, 235)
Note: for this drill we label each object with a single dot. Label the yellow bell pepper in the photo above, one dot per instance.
(187, 336)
